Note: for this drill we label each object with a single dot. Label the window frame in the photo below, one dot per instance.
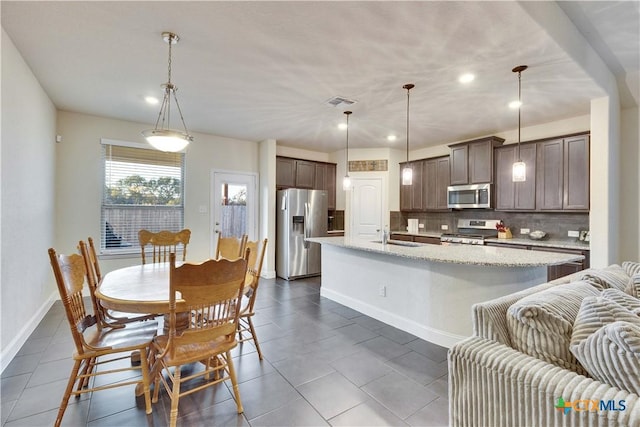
(134, 249)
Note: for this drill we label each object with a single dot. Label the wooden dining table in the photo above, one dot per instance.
(140, 289)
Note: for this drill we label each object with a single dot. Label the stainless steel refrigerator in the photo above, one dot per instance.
(300, 214)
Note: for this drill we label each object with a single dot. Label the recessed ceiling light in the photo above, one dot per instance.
(342, 126)
(391, 138)
(151, 100)
(466, 78)
(515, 104)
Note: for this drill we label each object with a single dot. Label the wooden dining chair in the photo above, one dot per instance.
(230, 247)
(108, 318)
(163, 243)
(94, 345)
(245, 323)
(209, 293)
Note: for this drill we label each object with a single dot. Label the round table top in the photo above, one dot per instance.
(137, 289)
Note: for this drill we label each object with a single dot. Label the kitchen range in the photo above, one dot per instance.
(471, 232)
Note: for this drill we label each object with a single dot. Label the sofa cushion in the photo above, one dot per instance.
(606, 342)
(631, 268)
(626, 300)
(633, 288)
(613, 276)
(541, 324)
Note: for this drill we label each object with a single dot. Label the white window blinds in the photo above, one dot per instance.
(142, 189)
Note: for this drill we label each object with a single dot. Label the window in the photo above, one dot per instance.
(142, 189)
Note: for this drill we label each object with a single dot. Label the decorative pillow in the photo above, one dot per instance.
(632, 268)
(606, 341)
(612, 276)
(541, 324)
(633, 288)
(623, 298)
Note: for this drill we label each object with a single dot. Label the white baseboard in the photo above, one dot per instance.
(269, 274)
(8, 353)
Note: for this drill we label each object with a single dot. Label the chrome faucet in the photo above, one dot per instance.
(385, 235)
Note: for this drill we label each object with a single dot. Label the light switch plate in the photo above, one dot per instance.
(444, 227)
(524, 231)
(572, 233)
(420, 225)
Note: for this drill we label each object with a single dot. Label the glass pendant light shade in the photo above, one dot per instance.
(407, 176)
(346, 181)
(519, 171)
(407, 171)
(162, 137)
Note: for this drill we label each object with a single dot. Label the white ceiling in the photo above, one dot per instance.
(258, 70)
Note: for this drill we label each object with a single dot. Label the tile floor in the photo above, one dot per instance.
(325, 364)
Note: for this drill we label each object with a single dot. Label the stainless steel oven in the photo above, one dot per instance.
(475, 196)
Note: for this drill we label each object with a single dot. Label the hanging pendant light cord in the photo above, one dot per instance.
(519, 110)
(408, 89)
(347, 114)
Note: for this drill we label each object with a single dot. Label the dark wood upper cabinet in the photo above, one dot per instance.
(576, 173)
(563, 174)
(320, 180)
(411, 197)
(285, 172)
(305, 174)
(330, 183)
(436, 180)
(472, 161)
(515, 195)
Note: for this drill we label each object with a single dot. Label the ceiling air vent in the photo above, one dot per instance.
(338, 101)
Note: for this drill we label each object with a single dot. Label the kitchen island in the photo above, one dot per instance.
(426, 290)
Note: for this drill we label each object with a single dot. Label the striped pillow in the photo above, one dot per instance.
(606, 341)
(623, 298)
(633, 288)
(612, 276)
(632, 268)
(541, 324)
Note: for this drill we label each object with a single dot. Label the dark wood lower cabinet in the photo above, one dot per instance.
(403, 237)
(414, 238)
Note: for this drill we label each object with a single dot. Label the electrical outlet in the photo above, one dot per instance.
(524, 231)
(420, 225)
(573, 233)
(382, 291)
(444, 227)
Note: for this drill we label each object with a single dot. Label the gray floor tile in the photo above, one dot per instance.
(296, 413)
(384, 348)
(369, 322)
(396, 335)
(58, 351)
(435, 414)
(418, 367)
(347, 312)
(303, 368)
(249, 367)
(399, 394)
(361, 368)
(51, 371)
(430, 350)
(440, 387)
(332, 394)
(268, 332)
(75, 415)
(21, 365)
(368, 413)
(12, 387)
(34, 345)
(5, 409)
(132, 418)
(111, 401)
(356, 333)
(221, 414)
(42, 398)
(265, 394)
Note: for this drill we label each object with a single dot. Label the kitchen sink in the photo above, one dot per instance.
(400, 243)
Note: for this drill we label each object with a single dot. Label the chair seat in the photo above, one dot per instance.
(193, 352)
(132, 336)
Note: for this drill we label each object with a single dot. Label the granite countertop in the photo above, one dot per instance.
(457, 254)
(548, 243)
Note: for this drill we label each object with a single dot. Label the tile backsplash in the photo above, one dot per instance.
(555, 225)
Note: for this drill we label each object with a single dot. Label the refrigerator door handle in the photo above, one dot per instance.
(306, 225)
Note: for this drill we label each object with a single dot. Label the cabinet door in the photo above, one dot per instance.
(525, 192)
(416, 186)
(285, 172)
(427, 239)
(556, 271)
(403, 237)
(480, 162)
(330, 181)
(576, 173)
(430, 184)
(305, 174)
(549, 175)
(460, 165)
(320, 177)
(444, 177)
(505, 188)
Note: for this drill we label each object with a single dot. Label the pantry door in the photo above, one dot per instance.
(366, 208)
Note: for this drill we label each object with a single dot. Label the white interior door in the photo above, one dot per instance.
(366, 208)
(234, 204)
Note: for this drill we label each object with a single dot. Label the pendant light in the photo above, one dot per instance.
(519, 172)
(407, 172)
(346, 181)
(162, 137)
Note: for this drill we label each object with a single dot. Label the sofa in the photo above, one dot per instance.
(494, 382)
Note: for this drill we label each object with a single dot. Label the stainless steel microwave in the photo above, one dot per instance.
(474, 196)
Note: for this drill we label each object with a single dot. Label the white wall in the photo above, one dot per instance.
(630, 185)
(27, 286)
(79, 179)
